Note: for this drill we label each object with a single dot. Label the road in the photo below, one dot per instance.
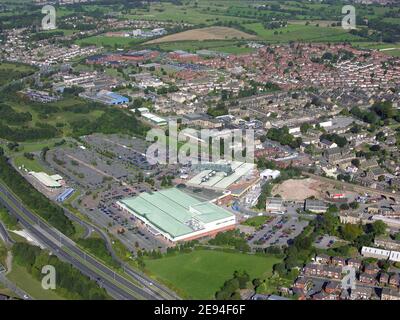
(143, 279)
(11, 286)
(4, 234)
(63, 247)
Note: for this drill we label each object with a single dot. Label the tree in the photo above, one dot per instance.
(355, 162)
(350, 232)
(354, 205)
(379, 227)
(305, 127)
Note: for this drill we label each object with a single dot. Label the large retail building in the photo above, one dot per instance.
(178, 216)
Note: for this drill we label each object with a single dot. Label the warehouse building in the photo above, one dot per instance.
(106, 97)
(177, 216)
(316, 206)
(51, 182)
(65, 195)
(274, 205)
(222, 174)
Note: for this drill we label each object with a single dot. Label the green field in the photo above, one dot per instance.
(257, 221)
(13, 71)
(199, 274)
(225, 46)
(33, 287)
(186, 13)
(62, 116)
(114, 42)
(298, 32)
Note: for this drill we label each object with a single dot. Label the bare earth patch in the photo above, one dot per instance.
(211, 33)
(300, 189)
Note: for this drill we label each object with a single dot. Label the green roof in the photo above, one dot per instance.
(170, 210)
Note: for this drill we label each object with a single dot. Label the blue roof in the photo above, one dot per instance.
(117, 96)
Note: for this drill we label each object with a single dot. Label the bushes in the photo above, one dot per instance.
(283, 136)
(98, 247)
(9, 221)
(70, 282)
(110, 122)
(36, 201)
(231, 238)
(229, 291)
(41, 131)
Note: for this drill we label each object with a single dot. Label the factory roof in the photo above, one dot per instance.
(174, 211)
(45, 179)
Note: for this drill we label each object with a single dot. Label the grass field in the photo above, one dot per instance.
(201, 273)
(33, 287)
(112, 42)
(13, 71)
(257, 221)
(298, 32)
(187, 14)
(226, 46)
(64, 116)
(30, 165)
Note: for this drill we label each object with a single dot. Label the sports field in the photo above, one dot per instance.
(199, 274)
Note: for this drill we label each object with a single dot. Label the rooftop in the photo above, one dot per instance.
(174, 211)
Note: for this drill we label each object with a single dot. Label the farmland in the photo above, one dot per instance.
(211, 33)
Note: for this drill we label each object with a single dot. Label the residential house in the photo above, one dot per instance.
(361, 293)
(383, 278)
(371, 269)
(355, 263)
(322, 258)
(390, 294)
(368, 278)
(304, 284)
(375, 173)
(387, 243)
(339, 261)
(322, 295)
(333, 287)
(395, 280)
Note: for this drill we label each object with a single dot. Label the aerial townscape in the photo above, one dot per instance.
(200, 150)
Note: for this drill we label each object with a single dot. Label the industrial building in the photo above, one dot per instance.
(52, 182)
(274, 205)
(65, 195)
(316, 206)
(106, 97)
(177, 216)
(269, 174)
(221, 175)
